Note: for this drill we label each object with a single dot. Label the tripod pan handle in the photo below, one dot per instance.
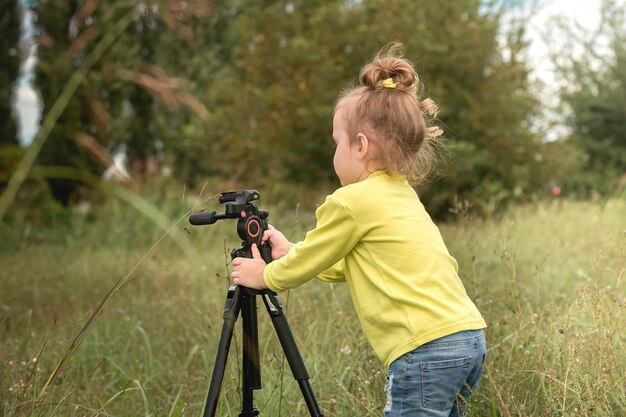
(204, 217)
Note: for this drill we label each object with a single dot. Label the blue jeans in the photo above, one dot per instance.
(437, 378)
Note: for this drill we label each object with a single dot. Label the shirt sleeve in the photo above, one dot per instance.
(334, 236)
(335, 273)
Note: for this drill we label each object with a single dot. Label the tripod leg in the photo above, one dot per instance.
(288, 343)
(251, 379)
(231, 311)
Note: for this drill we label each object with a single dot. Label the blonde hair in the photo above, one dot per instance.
(392, 116)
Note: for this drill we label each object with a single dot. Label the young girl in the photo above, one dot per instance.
(374, 234)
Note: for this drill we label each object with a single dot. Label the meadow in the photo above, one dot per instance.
(132, 313)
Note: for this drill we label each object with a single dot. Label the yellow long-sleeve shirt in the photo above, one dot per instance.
(376, 235)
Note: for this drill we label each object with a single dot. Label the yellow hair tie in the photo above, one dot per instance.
(388, 83)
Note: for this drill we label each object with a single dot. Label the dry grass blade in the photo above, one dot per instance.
(164, 88)
(86, 9)
(176, 12)
(101, 156)
(82, 41)
(157, 83)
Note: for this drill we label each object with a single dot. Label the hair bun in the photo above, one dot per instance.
(399, 125)
(388, 64)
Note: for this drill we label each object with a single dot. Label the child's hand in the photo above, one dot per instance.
(278, 241)
(249, 272)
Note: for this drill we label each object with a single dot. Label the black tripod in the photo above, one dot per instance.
(250, 227)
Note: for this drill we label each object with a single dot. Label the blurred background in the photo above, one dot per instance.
(531, 92)
(118, 118)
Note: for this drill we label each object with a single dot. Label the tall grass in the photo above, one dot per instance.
(549, 279)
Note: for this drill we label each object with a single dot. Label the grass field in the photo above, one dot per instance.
(548, 278)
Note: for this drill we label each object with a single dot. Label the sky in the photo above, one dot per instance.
(585, 12)
(26, 100)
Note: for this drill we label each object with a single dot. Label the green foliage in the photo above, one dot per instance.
(269, 73)
(594, 65)
(272, 79)
(9, 68)
(482, 90)
(115, 107)
(55, 66)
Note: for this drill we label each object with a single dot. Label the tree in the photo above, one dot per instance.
(288, 61)
(9, 71)
(261, 74)
(115, 108)
(594, 67)
(270, 72)
(56, 61)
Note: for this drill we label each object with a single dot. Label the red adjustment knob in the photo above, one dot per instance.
(257, 228)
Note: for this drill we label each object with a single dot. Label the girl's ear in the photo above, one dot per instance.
(362, 145)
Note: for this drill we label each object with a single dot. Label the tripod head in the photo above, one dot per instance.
(251, 222)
